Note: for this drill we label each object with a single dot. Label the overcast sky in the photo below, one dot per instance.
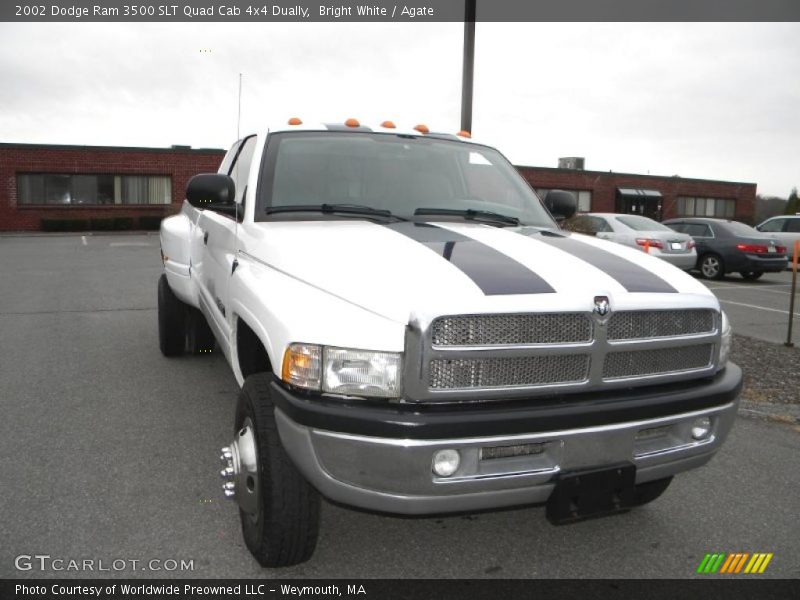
(719, 101)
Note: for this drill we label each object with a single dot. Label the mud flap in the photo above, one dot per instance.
(580, 495)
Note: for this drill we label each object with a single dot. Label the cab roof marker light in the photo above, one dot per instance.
(464, 134)
(295, 121)
(388, 125)
(352, 122)
(422, 128)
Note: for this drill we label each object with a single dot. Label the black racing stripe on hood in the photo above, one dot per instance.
(630, 275)
(493, 272)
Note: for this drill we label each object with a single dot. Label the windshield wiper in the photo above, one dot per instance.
(469, 213)
(345, 209)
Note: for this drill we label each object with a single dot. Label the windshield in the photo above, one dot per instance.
(642, 223)
(398, 173)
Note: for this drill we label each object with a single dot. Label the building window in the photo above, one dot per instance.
(584, 198)
(83, 190)
(721, 208)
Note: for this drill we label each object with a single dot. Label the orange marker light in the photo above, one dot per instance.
(295, 121)
(464, 134)
(352, 123)
(422, 128)
(388, 125)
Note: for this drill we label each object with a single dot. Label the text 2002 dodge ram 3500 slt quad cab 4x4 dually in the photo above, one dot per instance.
(413, 334)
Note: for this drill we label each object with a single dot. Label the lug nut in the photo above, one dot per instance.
(229, 493)
(226, 472)
(229, 488)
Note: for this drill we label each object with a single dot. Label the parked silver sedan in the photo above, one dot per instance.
(639, 232)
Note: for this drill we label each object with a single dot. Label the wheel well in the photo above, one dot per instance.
(252, 355)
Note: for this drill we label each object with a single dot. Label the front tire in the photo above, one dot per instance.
(172, 315)
(712, 267)
(284, 529)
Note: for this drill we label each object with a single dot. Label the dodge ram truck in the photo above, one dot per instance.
(413, 334)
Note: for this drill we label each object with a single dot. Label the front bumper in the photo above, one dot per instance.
(393, 473)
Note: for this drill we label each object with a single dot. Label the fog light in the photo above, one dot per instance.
(445, 462)
(701, 428)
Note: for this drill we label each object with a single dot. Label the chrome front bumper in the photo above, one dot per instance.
(395, 475)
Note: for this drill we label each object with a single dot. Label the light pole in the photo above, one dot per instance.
(468, 66)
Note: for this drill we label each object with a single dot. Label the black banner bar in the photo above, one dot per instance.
(398, 11)
(708, 588)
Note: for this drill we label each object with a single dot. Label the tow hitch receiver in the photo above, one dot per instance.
(580, 495)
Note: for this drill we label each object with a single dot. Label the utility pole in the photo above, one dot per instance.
(469, 65)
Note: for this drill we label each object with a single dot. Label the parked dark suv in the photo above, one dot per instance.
(730, 246)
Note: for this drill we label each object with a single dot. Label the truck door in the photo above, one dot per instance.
(218, 232)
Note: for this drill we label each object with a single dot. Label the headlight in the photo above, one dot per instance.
(343, 370)
(725, 343)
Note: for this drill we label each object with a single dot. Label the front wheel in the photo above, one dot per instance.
(279, 510)
(712, 267)
(751, 275)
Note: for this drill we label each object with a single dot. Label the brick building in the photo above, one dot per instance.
(653, 196)
(95, 187)
(101, 187)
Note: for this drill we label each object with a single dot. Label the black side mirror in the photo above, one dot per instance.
(561, 204)
(212, 191)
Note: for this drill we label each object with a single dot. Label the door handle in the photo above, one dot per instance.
(205, 238)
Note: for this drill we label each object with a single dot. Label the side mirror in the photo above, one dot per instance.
(561, 204)
(212, 191)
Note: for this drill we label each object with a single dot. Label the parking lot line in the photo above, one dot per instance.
(759, 289)
(777, 310)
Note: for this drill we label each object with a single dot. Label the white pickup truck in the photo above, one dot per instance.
(413, 334)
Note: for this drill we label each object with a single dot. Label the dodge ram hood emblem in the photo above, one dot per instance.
(601, 305)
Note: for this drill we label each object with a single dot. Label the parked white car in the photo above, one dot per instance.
(638, 232)
(785, 228)
(413, 334)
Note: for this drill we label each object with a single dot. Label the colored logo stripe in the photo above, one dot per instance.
(711, 563)
(735, 563)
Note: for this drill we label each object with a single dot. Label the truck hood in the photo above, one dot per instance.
(405, 271)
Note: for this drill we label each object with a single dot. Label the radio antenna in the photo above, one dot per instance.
(239, 114)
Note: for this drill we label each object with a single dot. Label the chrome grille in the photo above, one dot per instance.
(447, 374)
(638, 363)
(631, 325)
(509, 330)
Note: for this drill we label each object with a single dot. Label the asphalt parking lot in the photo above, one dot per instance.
(110, 451)
(759, 309)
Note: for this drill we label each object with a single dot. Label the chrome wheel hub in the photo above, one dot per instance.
(240, 471)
